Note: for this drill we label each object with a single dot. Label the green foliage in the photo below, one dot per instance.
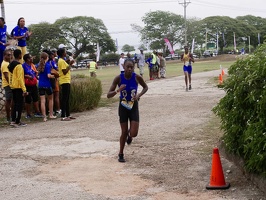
(45, 35)
(110, 58)
(80, 34)
(128, 48)
(243, 110)
(85, 93)
(83, 33)
(158, 25)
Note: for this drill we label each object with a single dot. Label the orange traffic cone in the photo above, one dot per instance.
(217, 176)
(223, 72)
(220, 78)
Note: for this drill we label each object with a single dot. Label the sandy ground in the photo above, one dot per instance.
(170, 159)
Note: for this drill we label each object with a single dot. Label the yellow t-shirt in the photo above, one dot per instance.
(186, 59)
(5, 69)
(17, 78)
(63, 78)
(92, 66)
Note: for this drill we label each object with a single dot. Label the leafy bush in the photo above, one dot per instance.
(85, 93)
(243, 110)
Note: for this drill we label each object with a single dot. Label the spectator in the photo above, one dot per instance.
(54, 67)
(18, 88)
(149, 62)
(162, 66)
(21, 33)
(121, 62)
(5, 84)
(64, 81)
(30, 75)
(154, 68)
(45, 87)
(92, 68)
(3, 42)
(141, 62)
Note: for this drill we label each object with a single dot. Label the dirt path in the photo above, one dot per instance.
(170, 159)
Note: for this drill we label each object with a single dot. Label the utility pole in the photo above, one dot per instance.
(185, 4)
(2, 8)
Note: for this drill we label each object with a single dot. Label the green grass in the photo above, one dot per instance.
(174, 68)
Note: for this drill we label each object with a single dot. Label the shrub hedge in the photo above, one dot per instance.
(243, 110)
(85, 93)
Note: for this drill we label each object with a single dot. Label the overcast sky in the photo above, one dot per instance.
(117, 15)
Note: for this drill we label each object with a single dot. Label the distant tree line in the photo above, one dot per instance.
(82, 33)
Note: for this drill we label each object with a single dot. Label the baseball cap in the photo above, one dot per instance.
(61, 46)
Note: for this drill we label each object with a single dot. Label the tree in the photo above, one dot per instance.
(83, 33)
(227, 26)
(45, 35)
(194, 31)
(257, 22)
(128, 48)
(160, 25)
(142, 47)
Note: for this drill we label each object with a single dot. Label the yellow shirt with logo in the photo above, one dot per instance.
(3, 70)
(186, 59)
(16, 80)
(63, 78)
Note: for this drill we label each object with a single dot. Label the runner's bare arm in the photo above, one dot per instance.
(112, 92)
(144, 86)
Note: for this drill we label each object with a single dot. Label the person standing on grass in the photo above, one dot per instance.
(5, 84)
(162, 66)
(128, 107)
(141, 62)
(121, 62)
(45, 87)
(64, 82)
(187, 58)
(92, 67)
(18, 87)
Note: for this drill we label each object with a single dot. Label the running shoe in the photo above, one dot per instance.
(129, 138)
(121, 158)
(190, 87)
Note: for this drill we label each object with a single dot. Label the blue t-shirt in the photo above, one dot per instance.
(149, 62)
(53, 64)
(28, 70)
(3, 37)
(44, 81)
(131, 87)
(17, 31)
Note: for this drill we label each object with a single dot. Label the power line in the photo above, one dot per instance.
(78, 3)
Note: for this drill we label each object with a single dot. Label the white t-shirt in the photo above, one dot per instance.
(121, 62)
